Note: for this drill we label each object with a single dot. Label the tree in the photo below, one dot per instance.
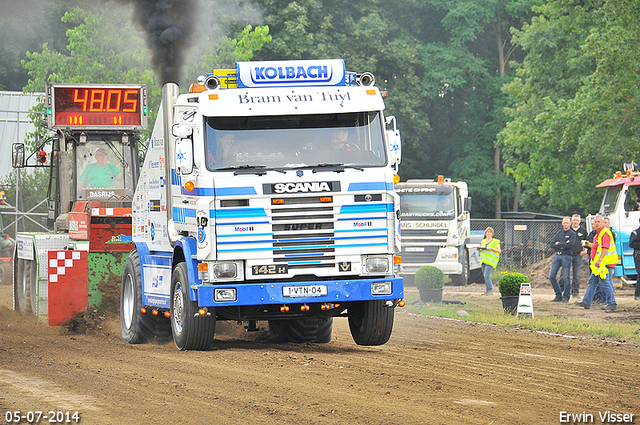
(106, 48)
(574, 119)
(465, 71)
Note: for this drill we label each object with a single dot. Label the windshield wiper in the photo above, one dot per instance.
(337, 167)
(245, 169)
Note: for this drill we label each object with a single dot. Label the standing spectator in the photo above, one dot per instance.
(577, 252)
(562, 243)
(489, 256)
(604, 258)
(597, 298)
(634, 242)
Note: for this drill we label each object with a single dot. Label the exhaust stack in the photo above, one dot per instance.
(170, 92)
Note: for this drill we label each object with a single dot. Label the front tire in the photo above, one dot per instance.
(189, 332)
(370, 322)
(462, 279)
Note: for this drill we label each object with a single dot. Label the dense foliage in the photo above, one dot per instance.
(564, 71)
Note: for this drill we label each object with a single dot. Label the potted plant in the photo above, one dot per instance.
(430, 282)
(509, 287)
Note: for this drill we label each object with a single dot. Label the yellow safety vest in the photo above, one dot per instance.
(489, 257)
(610, 258)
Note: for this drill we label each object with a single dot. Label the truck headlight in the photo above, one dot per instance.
(225, 270)
(225, 294)
(449, 256)
(381, 288)
(376, 264)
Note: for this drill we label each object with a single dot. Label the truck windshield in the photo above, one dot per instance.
(295, 140)
(610, 199)
(427, 203)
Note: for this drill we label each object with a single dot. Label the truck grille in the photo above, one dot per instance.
(303, 232)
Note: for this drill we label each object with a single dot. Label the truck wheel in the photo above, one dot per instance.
(310, 330)
(301, 330)
(135, 326)
(189, 332)
(278, 331)
(462, 279)
(370, 322)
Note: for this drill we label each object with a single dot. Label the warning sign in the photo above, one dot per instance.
(525, 303)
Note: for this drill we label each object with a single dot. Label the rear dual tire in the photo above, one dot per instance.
(311, 329)
(137, 327)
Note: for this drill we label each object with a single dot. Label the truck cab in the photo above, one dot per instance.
(620, 205)
(436, 228)
(267, 194)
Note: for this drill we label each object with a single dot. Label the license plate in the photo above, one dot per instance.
(414, 249)
(304, 291)
(270, 269)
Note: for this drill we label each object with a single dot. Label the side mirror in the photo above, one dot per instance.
(184, 156)
(393, 140)
(17, 155)
(467, 204)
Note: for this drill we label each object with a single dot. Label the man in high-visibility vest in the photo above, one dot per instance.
(603, 259)
(489, 256)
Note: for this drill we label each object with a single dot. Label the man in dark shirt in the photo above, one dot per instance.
(634, 242)
(577, 253)
(562, 243)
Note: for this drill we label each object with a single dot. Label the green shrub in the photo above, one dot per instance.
(509, 284)
(429, 277)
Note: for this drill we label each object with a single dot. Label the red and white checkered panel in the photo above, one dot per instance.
(63, 260)
(68, 285)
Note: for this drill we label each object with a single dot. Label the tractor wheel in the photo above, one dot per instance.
(370, 322)
(24, 289)
(190, 330)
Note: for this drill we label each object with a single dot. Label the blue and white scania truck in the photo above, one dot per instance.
(267, 194)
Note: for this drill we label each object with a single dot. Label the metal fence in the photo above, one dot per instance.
(523, 242)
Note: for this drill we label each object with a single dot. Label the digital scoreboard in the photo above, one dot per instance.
(97, 106)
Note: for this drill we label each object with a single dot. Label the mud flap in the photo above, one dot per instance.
(68, 288)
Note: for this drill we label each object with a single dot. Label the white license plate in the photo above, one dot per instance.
(304, 291)
(414, 249)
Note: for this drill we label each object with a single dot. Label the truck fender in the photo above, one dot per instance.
(184, 249)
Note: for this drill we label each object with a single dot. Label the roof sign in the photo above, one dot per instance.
(328, 72)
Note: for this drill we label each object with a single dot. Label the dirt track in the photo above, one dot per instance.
(432, 371)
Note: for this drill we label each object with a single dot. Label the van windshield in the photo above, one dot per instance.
(294, 141)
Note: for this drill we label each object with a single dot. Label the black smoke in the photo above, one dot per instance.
(168, 25)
